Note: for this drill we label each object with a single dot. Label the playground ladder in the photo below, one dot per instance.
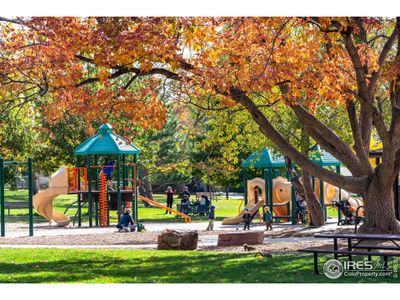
(103, 200)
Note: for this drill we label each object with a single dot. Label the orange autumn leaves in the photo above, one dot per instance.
(93, 67)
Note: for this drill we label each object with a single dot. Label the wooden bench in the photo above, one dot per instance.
(348, 253)
(15, 205)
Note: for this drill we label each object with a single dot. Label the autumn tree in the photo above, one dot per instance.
(250, 63)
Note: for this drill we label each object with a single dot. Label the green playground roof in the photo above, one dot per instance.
(105, 142)
(264, 158)
(324, 158)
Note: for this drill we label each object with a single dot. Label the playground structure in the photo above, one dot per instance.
(3, 165)
(43, 201)
(89, 182)
(154, 203)
(277, 191)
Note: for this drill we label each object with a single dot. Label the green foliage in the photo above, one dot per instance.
(56, 143)
(17, 134)
(227, 139)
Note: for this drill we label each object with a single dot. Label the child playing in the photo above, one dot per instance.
(211, 217)
(108, 170)
(246, 219)
(126, 222)
(267, 218)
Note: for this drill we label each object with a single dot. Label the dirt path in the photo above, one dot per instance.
(282, 241)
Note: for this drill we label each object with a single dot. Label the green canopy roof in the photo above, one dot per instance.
(324, 158)
(264, 158)
(105, 142)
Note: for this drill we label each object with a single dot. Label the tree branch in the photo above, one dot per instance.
(361, 152)
(356, 61)
(330, 141)
(381, 60)
(125, 70)
(353, 184)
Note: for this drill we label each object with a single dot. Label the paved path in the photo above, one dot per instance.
(42, 230)
(20, 230)
(204, 241)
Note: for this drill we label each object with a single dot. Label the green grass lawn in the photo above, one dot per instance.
(224, 208)
(152, 266)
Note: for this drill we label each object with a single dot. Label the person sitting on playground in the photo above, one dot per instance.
(108, 170)
(185, 204)
(185, 200)
(301, 206)
(208, 202)
(203, 205)
(211, 217)
(349, 211)
(246, 219)
(126, 222)
(203, 200)
(267, 216)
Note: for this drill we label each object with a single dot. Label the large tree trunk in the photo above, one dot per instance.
(380, 216)
(306, 191)
(313, 205)
(304, 188)
(145, 189)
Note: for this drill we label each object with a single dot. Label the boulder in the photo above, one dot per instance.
(178, 240)
(240, 238)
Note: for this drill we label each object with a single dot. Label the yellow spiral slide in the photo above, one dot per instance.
(43, 201)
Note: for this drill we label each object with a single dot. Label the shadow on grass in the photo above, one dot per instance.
(58, 265)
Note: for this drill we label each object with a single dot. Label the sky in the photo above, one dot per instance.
(199, 8)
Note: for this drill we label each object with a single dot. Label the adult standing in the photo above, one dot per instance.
(185, 202)
(185, 193)
(170, 198)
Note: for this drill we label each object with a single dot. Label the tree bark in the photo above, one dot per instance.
(353, 184)
(379, 211)
(313, 205)
(305, 190)
(145, 189)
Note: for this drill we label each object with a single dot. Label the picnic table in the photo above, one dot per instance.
(359, 244)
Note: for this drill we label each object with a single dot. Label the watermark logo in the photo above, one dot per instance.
(333, 269)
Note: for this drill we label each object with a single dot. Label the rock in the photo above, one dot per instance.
(178, 240)
(240, 238)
